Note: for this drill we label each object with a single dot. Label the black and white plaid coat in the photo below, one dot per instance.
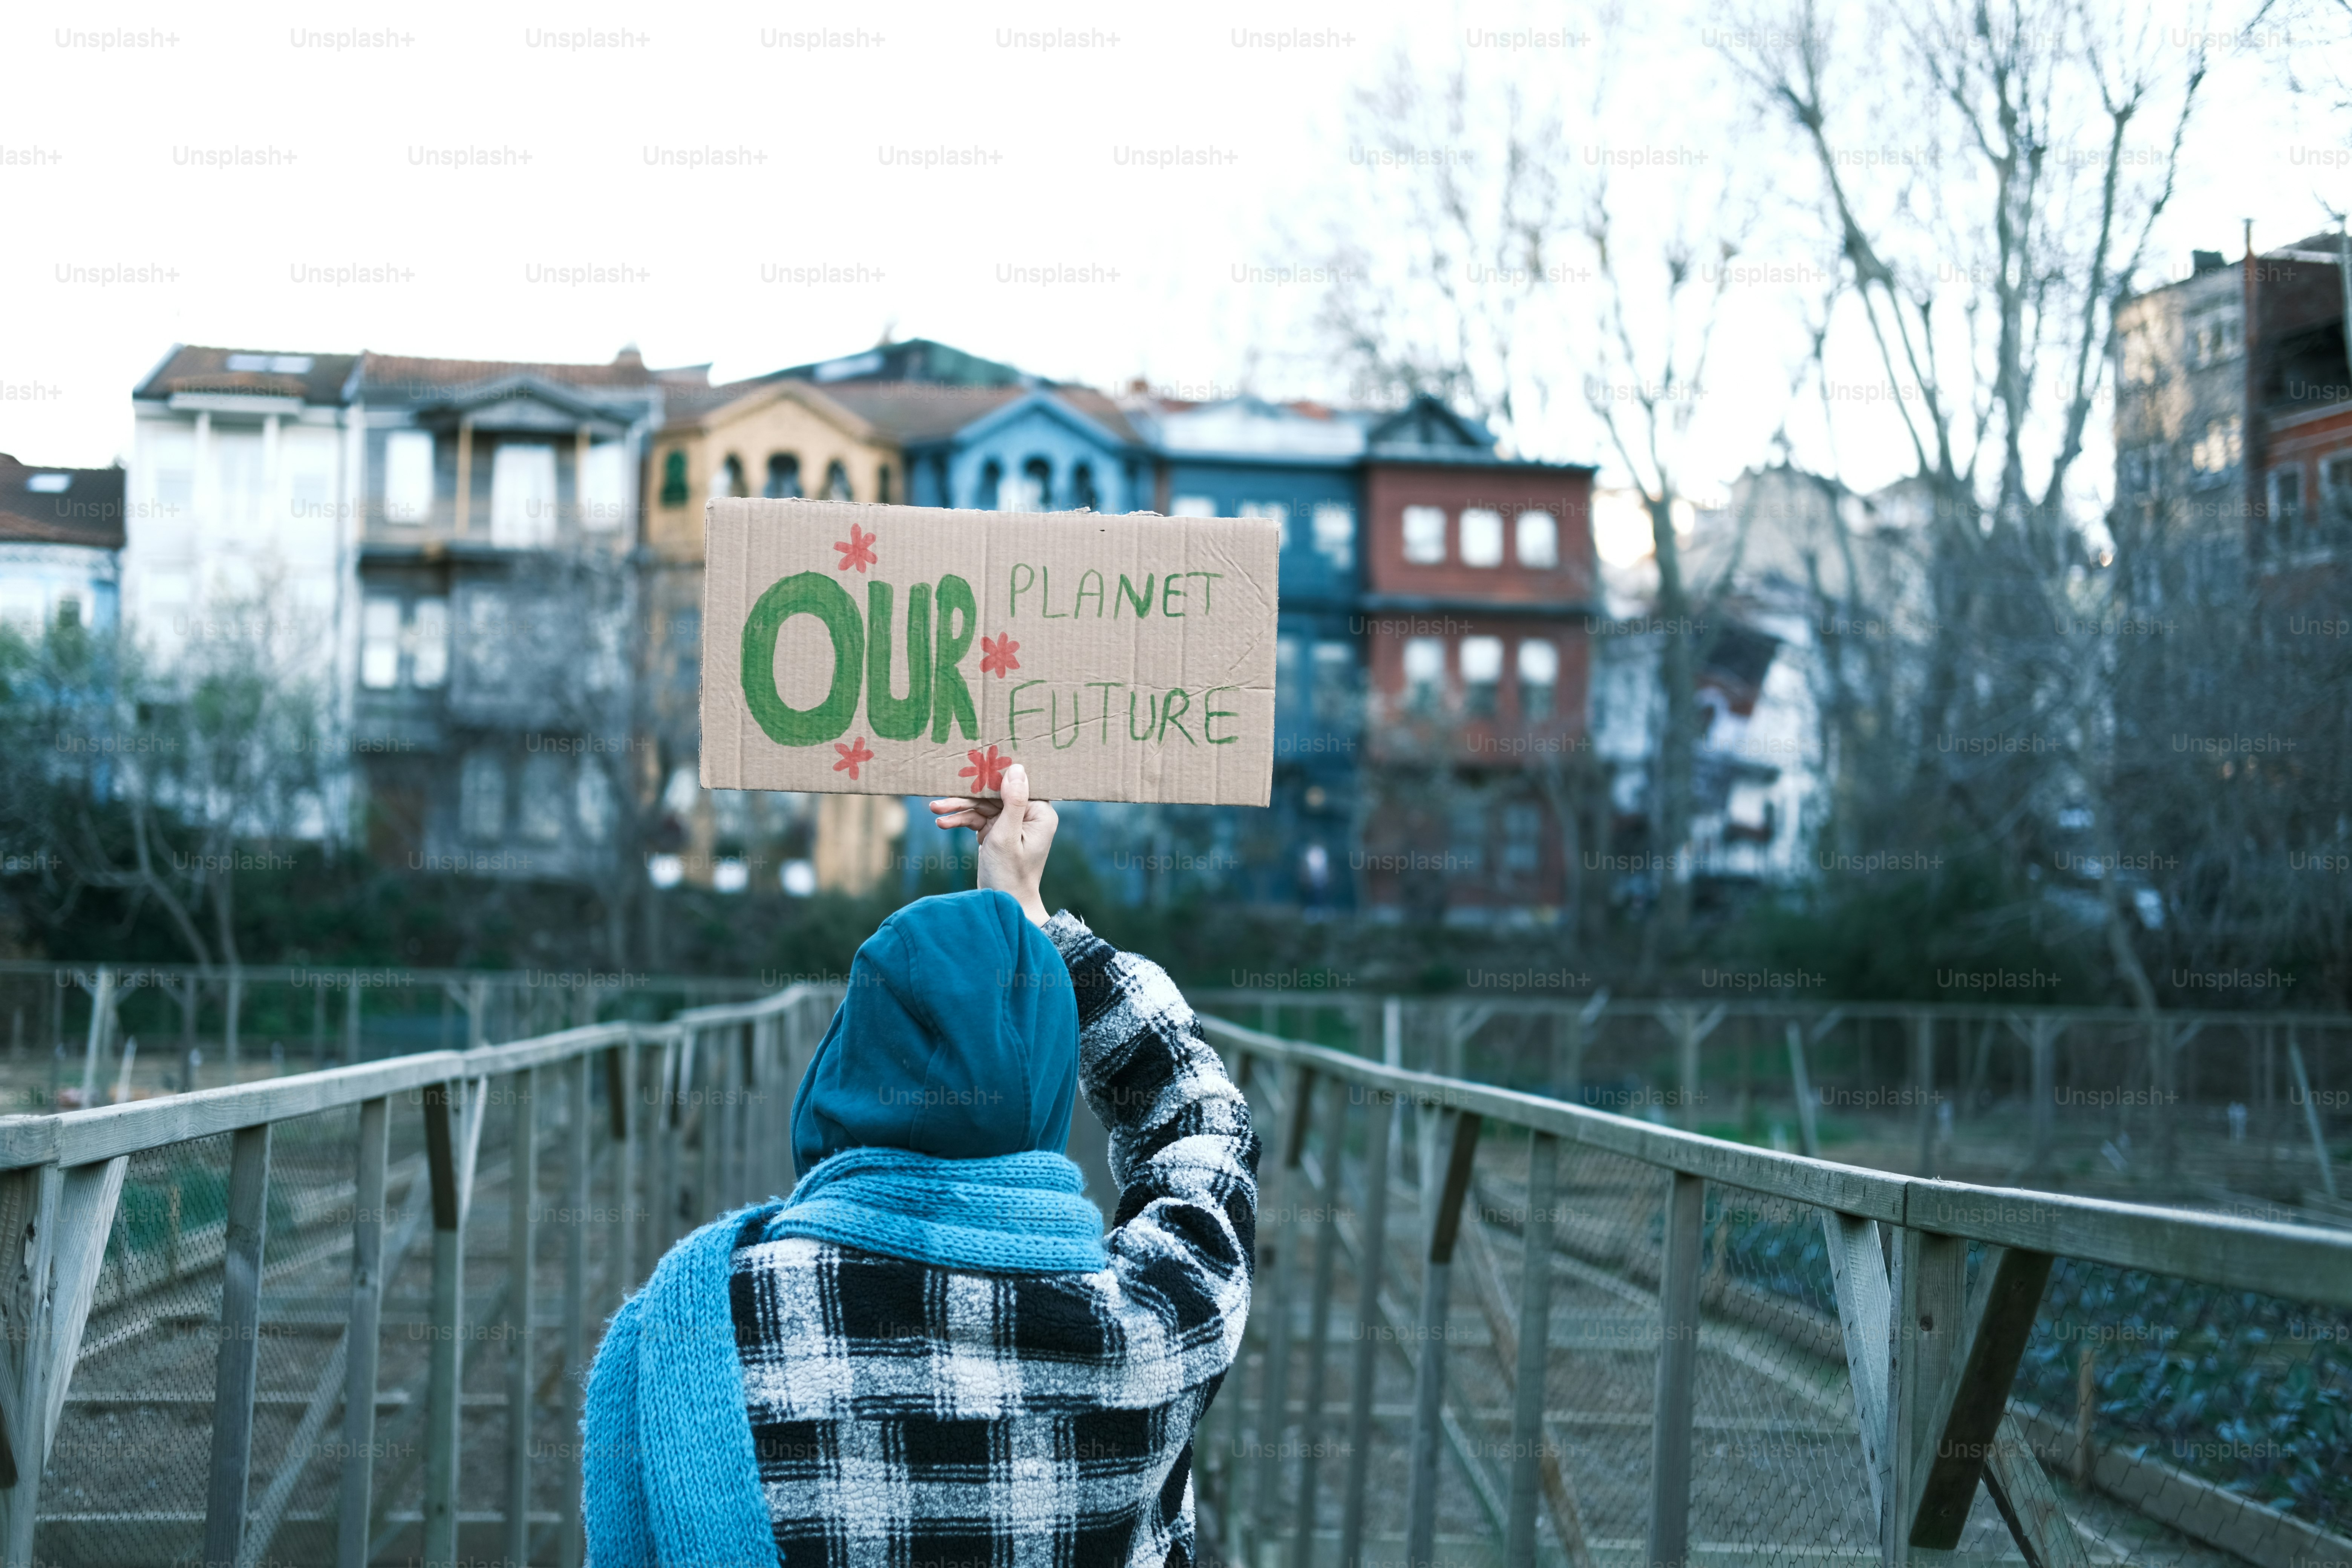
(907, 1415)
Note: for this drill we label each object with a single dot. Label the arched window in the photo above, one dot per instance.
(1084, 497)
(992, 485)
(727, 479)
(836, 482)
(783, 476)
(672, 485)
(1036, 485)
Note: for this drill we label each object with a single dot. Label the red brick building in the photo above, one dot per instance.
(1478, 578)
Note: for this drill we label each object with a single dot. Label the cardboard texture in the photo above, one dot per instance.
(911, 650)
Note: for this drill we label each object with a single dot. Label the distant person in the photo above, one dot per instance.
(930, 1355)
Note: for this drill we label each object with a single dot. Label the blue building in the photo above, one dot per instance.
(60, 546)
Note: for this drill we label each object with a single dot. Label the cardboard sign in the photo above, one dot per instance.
(909, 650)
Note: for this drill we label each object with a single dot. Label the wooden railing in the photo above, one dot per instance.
(691, 1122)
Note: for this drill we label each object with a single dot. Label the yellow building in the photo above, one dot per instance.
(770, 437)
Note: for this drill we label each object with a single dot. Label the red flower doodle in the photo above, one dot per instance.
(857, 553)
(852, 755)
(996, 656)
(986, 772)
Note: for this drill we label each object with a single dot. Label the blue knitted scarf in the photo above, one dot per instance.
(1016, 1214)
(671, 1474)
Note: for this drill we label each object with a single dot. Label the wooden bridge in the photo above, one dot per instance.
(341, 1317)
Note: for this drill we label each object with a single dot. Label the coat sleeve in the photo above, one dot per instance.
(1181, 1148)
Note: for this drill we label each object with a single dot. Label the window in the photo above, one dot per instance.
(236, 475)
(2213, 340)
(407, 476)
(1482, 537)
(1538, 679)
(1335, 534)
(2336, 485)
(727, 479)
(2286, 501)
(1192, 505)
(783, 477)
(595, 803)
(1287, 692)
(1467, 837)
(482, 797)
(1522, 840)
(2139, 358)
(1275, 510)
(604, 487)
(69, 610)
(428, 644)
(1424, 536)
(2216, 451)
(992, 486)
(1539, 540)
(882, 484)
(1084, 496)
(1035, 490)
(674, 492)
(274, 364)
(1424, 672)
(523, 494)
(380, 644)
(173, 453)
(1335, 685)
(1482, 673)
(836, 482)
(542, 801)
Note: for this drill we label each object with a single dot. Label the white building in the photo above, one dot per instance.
(61, 545)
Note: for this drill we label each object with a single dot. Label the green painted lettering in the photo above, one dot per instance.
(1150, 716)
(1108, 688)
(1079, 606)
(951, 698)
(1178, 702)
(1046, 593)
(1013, 710)
(1170, 593)
(1213, 713)
(1025, 578)
(1127, 596)
(1054, 720)
(897, 717)
(1206, 578)
(807, 593)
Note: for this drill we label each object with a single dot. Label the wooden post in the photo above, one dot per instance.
(230, 1021)
(2086, 1410)
(1809, 1132)
(240, 1329)
(1922, 1089)
(620, 1089)
(1371, 1255)
(1686, 1068)
(1319, 1327)
(1670, 1428)
(366, 1338)
(1534, 1322)
(352, 1020)
(2310, 1113)
(29, 1204)
(1273, 1387)
(575, 1301)
(523, 1279)
(2045, 1046)
(441, 1425)
(1929, 1287)
(1429, 1375)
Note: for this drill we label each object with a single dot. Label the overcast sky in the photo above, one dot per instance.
(755, 185)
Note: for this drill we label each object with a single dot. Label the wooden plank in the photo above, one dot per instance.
(1273, 1388)
(1972, 1396)
(240, 1319)
(2028, 1502)
(1371, 1256)
(572, 1544)
(1429, 1372)
(1318, 1325)
(522, 1206)
(1670, 1432)
(450, 1175)
(28, 1213)
(86, 1205)
(367, 1335)
(1858, 1275)
(1928, 1283)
